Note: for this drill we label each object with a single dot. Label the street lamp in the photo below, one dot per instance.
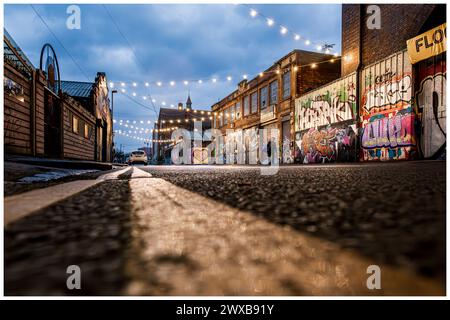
(112, 123)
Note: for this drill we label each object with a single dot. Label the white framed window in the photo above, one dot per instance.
(226, 115)
(263, 98)
(286, 85)
(238, 110)
(274, 92)
(254, 102)
(246, 105)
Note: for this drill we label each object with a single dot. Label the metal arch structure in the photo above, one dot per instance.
(49, 46)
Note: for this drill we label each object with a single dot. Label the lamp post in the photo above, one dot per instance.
(112, 123)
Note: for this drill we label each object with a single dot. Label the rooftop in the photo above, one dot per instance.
(77, 89)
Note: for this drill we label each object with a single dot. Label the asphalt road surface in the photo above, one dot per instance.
(229, 230)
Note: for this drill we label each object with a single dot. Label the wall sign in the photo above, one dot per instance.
(428, 44)
(13, 89)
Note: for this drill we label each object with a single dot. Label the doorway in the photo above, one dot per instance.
(286, 142)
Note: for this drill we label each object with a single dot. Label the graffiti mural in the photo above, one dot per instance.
(325, 123)
(327, 144)
(388, 137)
(333, 103)
(387, 116)
(431, 105)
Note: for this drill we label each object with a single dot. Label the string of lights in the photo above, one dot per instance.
(142, 129)
(285, 31)
(146, 140)
(134, 86)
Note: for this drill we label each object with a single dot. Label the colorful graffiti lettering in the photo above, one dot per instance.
(389, 91)
(327, 105)
(327, 145)
(396, 131)
(431, 103)
(387, 117)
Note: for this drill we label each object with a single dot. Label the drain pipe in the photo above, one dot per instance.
(359, 81)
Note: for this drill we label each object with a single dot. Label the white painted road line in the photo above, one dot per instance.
(194, 245)
(139, 173)
(21, 205)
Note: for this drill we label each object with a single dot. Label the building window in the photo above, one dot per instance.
(274, 92)
(86, 131)
(246, 105)
(263, 98)
(238, 110)
(225, 116)
(75, 125)
(214, 121)
(286, 85)
(221, 118)
(232, 112)
(254, 102)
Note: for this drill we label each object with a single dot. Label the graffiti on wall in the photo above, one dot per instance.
(431, 104)
(389, 90)
(389, 137)
(387, 117)
(327, 105)
(327, 145)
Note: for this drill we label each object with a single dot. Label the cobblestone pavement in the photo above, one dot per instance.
(309, 230)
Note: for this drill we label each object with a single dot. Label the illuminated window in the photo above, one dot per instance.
(232, 112)
(75, 128)
(86, 131)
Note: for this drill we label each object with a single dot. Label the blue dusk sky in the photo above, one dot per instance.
(172, 43)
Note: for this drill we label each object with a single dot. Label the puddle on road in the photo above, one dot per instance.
(53, 175)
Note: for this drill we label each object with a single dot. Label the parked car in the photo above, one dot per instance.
(138, 156)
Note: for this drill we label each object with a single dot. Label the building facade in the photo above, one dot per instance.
(195, 121)
(386, 105)
(267, 100)
(47, 117)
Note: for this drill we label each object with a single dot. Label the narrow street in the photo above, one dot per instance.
(228, 230)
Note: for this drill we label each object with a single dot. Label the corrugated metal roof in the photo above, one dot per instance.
(77, 89)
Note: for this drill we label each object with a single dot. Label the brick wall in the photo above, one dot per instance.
(351, 19)
(399, 22)
(311, 78)
(303, 79)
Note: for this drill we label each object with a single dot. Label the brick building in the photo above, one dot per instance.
(267, 100)
(170, 119)
(47, 117)
(385, 106)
